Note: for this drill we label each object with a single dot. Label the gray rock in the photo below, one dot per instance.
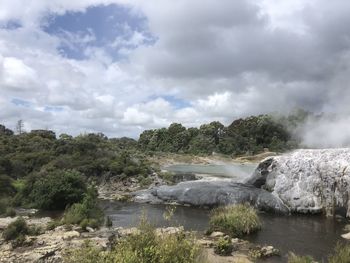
(308, 181)
(215, 193)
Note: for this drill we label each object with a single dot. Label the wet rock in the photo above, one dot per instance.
(214, 193)
(308, 181)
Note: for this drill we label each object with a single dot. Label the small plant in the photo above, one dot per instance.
(52, 225)
(35, 230)
(145, 181)
(109, 222)
(143, 246)
(16, 232)
(15, 229)
(87, 213)
(223, 247)
(236, 220)
(292, 258)
(169, 212)
(341, 254)
(88, 253)
(3, 205)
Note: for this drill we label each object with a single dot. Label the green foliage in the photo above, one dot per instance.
(223, 246)
(244, 136)
(15, 229)
(87, 213)
(54, 190)
(52, 225)
(143, 246)
(10, 212)
(292, 258)
(6, 187)
(341, 254)
(88, 253)
(235, 221)
(4, 205)
(109, 222)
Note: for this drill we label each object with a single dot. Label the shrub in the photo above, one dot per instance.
(341, 254)
(236, 220)
(52, 225)
(145, 181)
(10, 212)
(35, 230)
(109, 222)
(87, 213)
(15, 229)
(4, 202)
(88, 253)
(223, 247)
(57, 190)
(144, 246)
(292, 258)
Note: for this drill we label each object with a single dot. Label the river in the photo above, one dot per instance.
(305, 235)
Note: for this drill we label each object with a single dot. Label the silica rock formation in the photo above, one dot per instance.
(214, 193)
(308, 181)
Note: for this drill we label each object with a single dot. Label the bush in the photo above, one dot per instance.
(4, 203)
(88, 253)
(144, 246)
(52, 225)
(10, 212)
(235, 221)
(15, 229)
(341, 254)
(87, 213)
(57, 190)
(223, 247)
(292, 258)
(109, 222)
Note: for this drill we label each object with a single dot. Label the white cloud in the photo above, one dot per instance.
(223, 60)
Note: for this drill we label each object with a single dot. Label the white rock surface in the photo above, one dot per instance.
(308, 180)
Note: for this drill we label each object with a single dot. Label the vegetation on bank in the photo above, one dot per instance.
(16, 232)
(142, 246)
(38, 170)
(235, 220)
(243, 136)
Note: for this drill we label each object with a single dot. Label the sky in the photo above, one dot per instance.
(123, 66)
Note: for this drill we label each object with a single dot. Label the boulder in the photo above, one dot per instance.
(308, 181)
(220, 192)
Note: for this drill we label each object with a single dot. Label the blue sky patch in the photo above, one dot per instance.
(99, 26)
(10, 25)
(176, 102)
(53, 108)
(20, 102)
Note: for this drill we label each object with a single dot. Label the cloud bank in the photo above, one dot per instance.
(121, 66)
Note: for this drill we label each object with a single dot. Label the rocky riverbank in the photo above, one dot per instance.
(51, 245)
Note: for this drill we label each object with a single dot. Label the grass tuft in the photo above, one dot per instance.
(236, 220)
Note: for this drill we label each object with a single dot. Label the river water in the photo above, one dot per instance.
(305, 235)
